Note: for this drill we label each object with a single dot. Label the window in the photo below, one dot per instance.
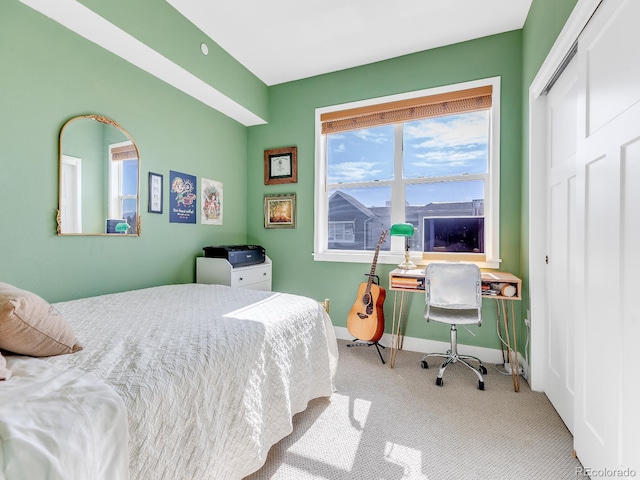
(341, 232)
(123, 183)
(429, 158)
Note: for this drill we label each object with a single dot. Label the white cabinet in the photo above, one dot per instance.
(218, 270)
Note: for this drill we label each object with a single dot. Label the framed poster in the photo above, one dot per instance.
(155, 193)
(280, 211)
(183, 197)
(211, 202)
(281, 166)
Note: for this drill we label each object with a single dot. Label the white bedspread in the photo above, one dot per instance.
(60, 424)
(210, 375)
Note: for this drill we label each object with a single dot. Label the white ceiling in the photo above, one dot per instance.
(285, 40)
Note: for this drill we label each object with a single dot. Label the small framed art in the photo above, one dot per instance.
(280, 211)
(281, 166)
(155, 193)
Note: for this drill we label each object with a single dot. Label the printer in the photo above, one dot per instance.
(237, 255)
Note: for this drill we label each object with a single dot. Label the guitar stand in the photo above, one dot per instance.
(358, 343)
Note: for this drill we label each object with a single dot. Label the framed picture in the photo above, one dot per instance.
(155, 193)
(281, 166)
(182, 203)
(211, 203)
(280, 211)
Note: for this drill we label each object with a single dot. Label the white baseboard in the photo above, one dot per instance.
(412, 344)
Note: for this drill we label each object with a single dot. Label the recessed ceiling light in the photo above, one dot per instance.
(204, 48)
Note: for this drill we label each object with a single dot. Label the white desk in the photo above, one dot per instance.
(412, 281)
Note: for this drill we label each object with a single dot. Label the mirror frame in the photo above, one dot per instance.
(106, 121)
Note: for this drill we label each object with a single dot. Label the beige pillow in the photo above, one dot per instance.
(31, 326)
(5, 373)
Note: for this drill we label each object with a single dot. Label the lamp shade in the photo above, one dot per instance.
(402, 230)
(122, 227)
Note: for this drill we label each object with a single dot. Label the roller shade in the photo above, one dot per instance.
(462, 101)
(125, 152)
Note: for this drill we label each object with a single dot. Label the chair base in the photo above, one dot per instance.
(360, 343)
(452, 356)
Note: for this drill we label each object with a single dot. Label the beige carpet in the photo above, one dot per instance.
(384, 423)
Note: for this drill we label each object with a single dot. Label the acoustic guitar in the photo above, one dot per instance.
(366, 317)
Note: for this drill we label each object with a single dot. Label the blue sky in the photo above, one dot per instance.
(434, 147)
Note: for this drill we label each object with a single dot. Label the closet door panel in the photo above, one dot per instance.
(562, 114)
(630, 413)
(606, 430)
(613, 66)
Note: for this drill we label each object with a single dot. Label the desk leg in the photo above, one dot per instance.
(511, 353)
(398, 325)
(392, 356)
(515, 351)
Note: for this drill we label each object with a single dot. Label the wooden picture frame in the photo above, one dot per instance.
(155, 193)
(281, 166)
(280, 211)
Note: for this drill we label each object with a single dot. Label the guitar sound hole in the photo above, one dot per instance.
(367, 301)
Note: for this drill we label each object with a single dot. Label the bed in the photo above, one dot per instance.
(186, 381)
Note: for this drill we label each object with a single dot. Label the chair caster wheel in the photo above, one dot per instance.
(480, 385)
(482, 369)
(439, 381)
(424, 364)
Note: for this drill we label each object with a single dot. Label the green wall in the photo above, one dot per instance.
(48, 75)
(291, 122)
(158, 25)
(541, 29)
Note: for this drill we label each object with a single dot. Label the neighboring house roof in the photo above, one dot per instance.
(415, 212)
(338, 194)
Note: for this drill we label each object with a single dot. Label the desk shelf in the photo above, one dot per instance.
(413, 281)
(500, 278)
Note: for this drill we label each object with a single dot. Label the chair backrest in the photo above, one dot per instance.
(453, 285)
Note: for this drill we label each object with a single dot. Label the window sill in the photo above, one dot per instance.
(386, 258)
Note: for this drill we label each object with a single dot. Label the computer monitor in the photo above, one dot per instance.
(111, 225)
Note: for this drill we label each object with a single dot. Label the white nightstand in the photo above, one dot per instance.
(218, 270)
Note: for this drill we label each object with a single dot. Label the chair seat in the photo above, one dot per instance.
(454, 316)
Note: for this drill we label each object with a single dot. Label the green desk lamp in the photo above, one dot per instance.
(405, 230)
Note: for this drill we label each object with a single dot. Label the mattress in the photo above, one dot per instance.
(209, 376)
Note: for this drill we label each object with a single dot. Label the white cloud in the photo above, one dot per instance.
(455, 142)
(449, 131)
(453, 157)
(368, 136)
(339, 148)
(353, 171)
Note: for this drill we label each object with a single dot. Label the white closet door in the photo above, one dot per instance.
(562, 117)
(606, 422)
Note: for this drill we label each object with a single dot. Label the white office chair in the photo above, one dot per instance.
(453, 296)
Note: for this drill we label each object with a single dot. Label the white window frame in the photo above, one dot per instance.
(396, 253)
(115, 182)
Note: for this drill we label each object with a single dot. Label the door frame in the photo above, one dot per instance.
(578, 19)
(76, 163)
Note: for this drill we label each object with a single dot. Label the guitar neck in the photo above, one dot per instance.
(374, 264)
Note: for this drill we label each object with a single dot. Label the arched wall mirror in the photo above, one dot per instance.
(99, 179)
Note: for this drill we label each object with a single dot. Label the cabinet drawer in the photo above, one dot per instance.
(218, 270)
(249, 276)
